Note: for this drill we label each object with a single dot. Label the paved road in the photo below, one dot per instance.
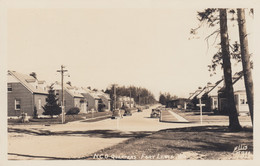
(75, 139)
(79, 139)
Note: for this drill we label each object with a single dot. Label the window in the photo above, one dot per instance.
(243, 99)
(9, 88)
(236, 99)
(40, 104)
(215, 102)
(17, 103)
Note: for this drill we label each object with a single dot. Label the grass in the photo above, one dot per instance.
(68, 118)
(207, 117)
(192, 143)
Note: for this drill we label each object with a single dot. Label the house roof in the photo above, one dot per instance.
(178, 99)
(28, 81)
(196, 93)
(105, 95)
(72, 90)
(191, 94)
(235, 79)
(41, 81)
(216, 84)
(205, 90)
(202, 92)
(91, 93)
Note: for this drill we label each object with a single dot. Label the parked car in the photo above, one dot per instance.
(139, 110)
(127, 112)
(155, 113)
(117, 114)
(146, 107)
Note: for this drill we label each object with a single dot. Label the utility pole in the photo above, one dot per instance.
(62, 71)
(114, 85)
(130, 98)
(139, 98)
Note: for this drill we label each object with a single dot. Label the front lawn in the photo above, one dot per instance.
(57, 120)
(191, 143)
(207, 117)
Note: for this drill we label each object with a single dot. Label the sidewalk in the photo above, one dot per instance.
(168, 115)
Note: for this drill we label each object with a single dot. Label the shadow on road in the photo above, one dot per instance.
(212, 128)
(40, 157)
(88, 133)
(28, 157)
(165, 121)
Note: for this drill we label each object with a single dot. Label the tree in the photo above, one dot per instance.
(162, 99)
(34, 75)
(229, 91)
(141, 95)
(73, 111)
(35, 114)
(246, 60)
(69, 83)
(51, 107)
(223, 57)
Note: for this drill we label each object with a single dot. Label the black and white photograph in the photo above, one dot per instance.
(121, 80)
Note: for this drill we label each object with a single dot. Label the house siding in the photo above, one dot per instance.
(106, 102)
(24, 95)
(38, 104)
(241, 107)
(91, 102)
(69, 101)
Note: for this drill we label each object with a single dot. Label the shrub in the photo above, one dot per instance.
(101, 107)
(73, 111)
(51, 107)
(35, 114)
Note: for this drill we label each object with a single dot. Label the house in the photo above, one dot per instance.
(180, 103)
(106, 100)
(25, 93)
(239, 95)
(125, 101)
(93, 99)
(72, 97)
(211, 96)
(195, 94)
(205, 99)
(193, 98)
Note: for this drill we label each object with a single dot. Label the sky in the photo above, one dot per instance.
(147, 47)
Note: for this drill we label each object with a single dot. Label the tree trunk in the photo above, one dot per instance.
(246, 61)
(229, 92)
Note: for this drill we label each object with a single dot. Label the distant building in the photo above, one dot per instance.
(25, 94)
(212, 96)
(193, 98)
(180, 103)
(106, 100)
(72, 97)
(125, 101)
(97, 100)
(93, 100)
(205, 99)
(239, 94)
